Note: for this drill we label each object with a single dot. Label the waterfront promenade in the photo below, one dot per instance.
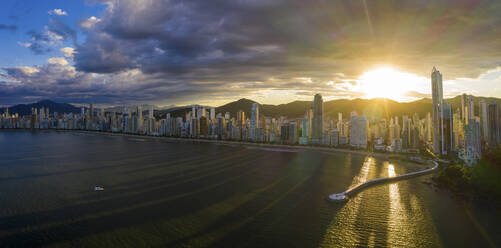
(344, 196)
(236, 142)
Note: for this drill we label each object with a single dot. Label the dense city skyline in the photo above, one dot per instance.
(465, 132)
(127, 52)
(250, 123)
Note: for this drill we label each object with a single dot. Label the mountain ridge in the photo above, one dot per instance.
(25, 109)
(372, 108)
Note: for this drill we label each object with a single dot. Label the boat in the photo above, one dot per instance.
(98, 188)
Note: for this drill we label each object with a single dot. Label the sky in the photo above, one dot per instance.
(177, 52)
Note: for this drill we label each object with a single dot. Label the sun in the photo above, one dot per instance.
(386, 82)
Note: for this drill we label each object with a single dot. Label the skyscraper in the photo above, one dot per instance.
(317, 122)
(437, 99)
(212, 113)
(428, 128)
(358, 131)
(484, 123)
(493, 118)
(91, 111)
(467, 108)
(139, 115)
(240, 118)
(447, 128)
(254, 123)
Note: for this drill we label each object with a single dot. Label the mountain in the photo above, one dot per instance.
(372, 108)
(25, 109)
(368, 107)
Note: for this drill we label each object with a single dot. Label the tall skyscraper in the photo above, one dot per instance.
(309, 120)
(428, 128)
(204, 126)
(493, 118)
(358, 131)
(447, 128)
(467, 108)
(91, 111)
(463, 106)
(150, 112)
(240, 118)
(484, 123)
(437, 100)
(139, 114)
(317, 122)
(212, 113)
(254, 124)
(202, 112)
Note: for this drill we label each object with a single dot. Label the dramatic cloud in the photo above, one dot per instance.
(58, 12)
(178, 51)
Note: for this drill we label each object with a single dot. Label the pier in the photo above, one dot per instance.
(344, 196)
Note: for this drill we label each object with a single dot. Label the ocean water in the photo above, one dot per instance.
(162, 193)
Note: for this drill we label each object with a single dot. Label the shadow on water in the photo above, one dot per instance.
(67, 224)
(284, 199)
(167, 194)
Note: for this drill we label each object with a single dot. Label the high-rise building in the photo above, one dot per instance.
(484, 123)
(437, 100)
(212, 113)
(204, 126)
(467, 108)
(240, 118)
(317, 122)
(220, 131)
(139, 115)
(447, 129)
(254, 123)
(202, 112)
(493, 118)
(464, 109)
(91, 111)
(428, 128)
(358, 131)
(334, 137)
(472, 147)
(292, 133)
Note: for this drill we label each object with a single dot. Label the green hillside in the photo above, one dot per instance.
(372, 108)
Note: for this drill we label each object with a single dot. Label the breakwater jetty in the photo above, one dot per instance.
(344, 196)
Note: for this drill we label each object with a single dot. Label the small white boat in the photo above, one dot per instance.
(98, 188)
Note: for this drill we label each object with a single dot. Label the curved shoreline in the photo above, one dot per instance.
(223, 142)
(345, 196)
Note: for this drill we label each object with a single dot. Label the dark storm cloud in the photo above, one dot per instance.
(296, 36)
(188, 49)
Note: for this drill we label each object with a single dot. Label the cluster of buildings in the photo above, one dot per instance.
(443, 131)
(466, 131)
